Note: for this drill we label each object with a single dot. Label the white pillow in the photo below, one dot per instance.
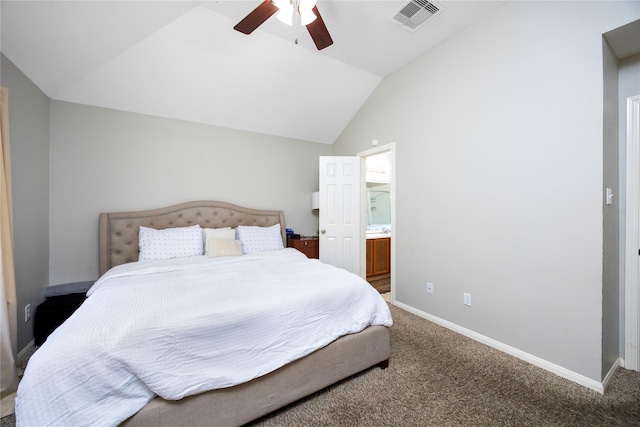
(226, 233)
(169, 243)
(223, 247)
(259, 239)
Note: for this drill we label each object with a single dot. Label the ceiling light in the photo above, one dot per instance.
(307, 4)
(287, 10)
(285, 14)
(306, 16)
(281, 3)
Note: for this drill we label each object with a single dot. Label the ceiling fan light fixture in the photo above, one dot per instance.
(307, 16)
(282, 3)
(285, 16)
(285, 12)
(307, 4)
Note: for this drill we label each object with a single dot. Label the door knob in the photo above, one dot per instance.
(323, 231)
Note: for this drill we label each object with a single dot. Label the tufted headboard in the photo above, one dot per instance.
(118, 231)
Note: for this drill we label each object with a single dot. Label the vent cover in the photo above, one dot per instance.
(414, 13)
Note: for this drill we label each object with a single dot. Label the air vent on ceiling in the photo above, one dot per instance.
(414, 13)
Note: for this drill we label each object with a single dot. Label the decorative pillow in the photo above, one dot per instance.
(227, 233)
(223, 247)
(259, 239)
(169, 243)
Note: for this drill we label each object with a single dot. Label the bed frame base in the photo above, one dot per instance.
(235, 406)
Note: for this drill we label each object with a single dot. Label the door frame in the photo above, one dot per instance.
(387, 148)
(632, 237)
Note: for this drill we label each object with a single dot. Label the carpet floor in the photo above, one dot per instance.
(440, 378)
(437, 377)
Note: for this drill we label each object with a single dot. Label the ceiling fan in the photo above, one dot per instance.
(309, 17)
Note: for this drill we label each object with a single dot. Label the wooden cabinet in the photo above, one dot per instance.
(369, 257)
(306, 245)
(378, 256)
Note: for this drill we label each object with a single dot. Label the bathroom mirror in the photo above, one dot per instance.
(378, 208)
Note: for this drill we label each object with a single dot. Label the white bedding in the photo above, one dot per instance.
(180, 327)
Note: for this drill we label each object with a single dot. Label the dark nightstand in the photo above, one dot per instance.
(60, 303)
(306, 245)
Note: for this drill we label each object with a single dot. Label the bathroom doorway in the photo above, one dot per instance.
(378, 213)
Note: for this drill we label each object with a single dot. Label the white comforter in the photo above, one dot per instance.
(180, 327)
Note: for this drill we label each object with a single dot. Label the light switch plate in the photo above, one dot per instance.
(467, 299)
(609, 196)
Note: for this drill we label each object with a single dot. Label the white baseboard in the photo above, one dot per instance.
(534, 360)
(23, 353)
(619, 363)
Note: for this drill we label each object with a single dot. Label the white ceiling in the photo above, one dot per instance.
(184, 60)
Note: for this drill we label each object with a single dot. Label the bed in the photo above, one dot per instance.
(234, 401)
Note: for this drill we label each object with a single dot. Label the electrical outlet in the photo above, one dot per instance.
(27, 312)
(467, 299)
(429, 287)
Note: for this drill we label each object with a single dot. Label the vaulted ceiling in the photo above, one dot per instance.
(184, 60)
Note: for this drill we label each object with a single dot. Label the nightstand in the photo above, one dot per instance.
(306, 245)
(61, 301)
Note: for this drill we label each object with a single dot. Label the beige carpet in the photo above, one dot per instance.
(440, 378)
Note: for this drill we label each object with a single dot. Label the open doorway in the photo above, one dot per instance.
(378, 217)
(621, 289)
(632, 242)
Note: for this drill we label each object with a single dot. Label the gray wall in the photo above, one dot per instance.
(106, 160)
(499, 177)
(611, 219)
(29, 127)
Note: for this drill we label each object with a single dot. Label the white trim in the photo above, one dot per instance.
(534, 360)
(23, 353)
(391, 148)
(619, 363)
(632, 236)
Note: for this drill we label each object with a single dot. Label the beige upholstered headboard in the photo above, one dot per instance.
(118, 231)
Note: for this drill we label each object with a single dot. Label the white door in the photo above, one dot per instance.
(340, 229)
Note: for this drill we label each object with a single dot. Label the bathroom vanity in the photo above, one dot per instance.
(378, 254)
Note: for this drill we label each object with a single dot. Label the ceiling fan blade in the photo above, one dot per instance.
(254, 19)
(319, 32)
